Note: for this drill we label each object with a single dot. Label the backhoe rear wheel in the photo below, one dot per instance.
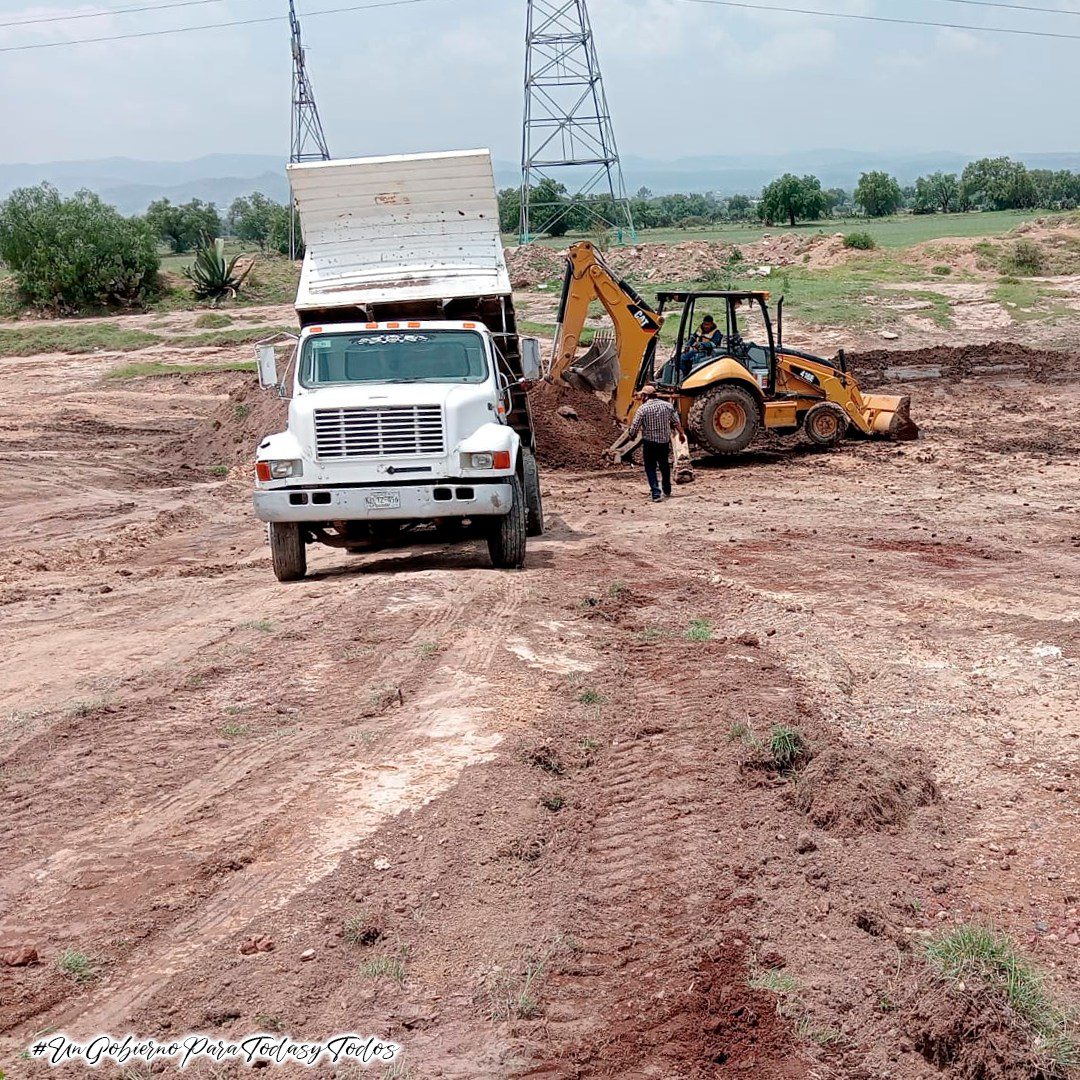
(725, 419)
(287, 551)
(826, 424)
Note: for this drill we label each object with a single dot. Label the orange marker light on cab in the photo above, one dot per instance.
(500, 459)
(262, 470)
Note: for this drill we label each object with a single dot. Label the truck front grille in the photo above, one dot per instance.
(389, 431)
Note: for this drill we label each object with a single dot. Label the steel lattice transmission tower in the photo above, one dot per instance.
(308, 137)
(567, 133)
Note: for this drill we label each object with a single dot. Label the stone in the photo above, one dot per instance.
(22, 956)
(567, 412)
(308, 954)
(805, 843)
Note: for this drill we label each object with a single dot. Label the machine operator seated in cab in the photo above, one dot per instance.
(702, 346)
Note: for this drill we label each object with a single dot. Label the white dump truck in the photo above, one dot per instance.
(407, 406)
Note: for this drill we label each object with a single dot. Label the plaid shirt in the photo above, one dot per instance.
(654, 420)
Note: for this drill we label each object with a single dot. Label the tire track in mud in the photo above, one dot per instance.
(300, 833)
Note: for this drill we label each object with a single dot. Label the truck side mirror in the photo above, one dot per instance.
(530, 358)
(266, 358)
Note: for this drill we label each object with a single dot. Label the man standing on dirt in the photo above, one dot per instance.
(654, 421)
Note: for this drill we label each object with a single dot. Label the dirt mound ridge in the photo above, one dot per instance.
(953, 363)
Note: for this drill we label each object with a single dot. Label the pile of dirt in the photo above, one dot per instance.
(953, 363)
(230, 435)
(845, 791)
(691, 260)
(573, 429)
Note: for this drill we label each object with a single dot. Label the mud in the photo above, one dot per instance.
(571, 442)
(995, 358)
(524, 789)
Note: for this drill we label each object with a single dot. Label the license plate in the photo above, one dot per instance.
(384, 500)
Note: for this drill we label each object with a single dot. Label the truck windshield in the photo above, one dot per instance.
(378, 356)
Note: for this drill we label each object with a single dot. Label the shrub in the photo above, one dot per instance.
(70, 255)
(1026, 257)
(941, 271)
(862, 241)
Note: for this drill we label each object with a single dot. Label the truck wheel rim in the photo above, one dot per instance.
(729, 419)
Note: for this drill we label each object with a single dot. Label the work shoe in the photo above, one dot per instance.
(657, 498)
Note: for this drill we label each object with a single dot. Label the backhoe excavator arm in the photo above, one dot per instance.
(608, 365)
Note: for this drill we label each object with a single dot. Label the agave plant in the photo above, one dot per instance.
(213, 277)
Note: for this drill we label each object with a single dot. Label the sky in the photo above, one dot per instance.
(683, 78)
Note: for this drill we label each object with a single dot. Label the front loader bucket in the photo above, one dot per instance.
(598, 369)
(890, 415)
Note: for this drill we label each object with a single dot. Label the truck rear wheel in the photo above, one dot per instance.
(287, 551)
(534, 505)
(506, 539)
(725, 419)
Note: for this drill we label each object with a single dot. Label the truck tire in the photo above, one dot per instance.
(534, 504)
(826, 424)
(506, 538)
(287, 551)
(725, 419)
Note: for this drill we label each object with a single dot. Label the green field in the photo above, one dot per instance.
(900, 231)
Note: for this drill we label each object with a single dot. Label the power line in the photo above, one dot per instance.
(212, 26)
(100, 14)
(884, 19)
(1013, 7)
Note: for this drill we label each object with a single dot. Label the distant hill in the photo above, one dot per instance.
(131, 185)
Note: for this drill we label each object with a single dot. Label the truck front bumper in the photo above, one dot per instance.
(422, 502)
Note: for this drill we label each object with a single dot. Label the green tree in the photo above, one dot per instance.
(183, 227)
(510, 210)
(251, 219)
(997, 184)
(739, 207)
(878, 194)
(938, 191)
(791, 197)
(550, 210)
(70, 255)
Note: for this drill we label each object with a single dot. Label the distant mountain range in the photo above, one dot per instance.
(131, 185)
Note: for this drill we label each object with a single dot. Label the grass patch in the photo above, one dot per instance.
(546, 759)
(427, 649)
(219, 470)
(264, 626)
(553, 801)
(787, 747)
(361, 929)
(1028, 301)
(591, 697)
(75, 965)
(76, 338)
(217, 339)
(233, 731)
(700, 630)
(152, 368)
(977, 955)
(213, 320)
(385, 967)
(775, 982)
(90, 707)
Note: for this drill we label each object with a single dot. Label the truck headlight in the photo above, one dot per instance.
(498, 459)
(278, 470)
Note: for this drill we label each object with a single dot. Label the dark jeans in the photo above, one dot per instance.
(655, 455)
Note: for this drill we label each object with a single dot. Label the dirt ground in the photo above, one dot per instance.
(520, 822)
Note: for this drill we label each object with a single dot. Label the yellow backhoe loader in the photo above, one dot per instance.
(725, 389)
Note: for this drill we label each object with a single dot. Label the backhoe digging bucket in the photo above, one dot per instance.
(890, 416)
(598, 369)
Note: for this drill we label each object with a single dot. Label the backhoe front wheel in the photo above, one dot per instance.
(825, 424)
(287, 551)
(725, 419)
(506, 538)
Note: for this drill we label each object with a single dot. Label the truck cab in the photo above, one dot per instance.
(402, 414)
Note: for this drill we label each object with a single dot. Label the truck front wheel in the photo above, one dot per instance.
(506, 538)
(534, 505)
(287, 551)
